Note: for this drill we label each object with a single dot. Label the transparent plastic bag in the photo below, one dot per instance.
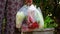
(37, 15)
(20, 16)
(29, 18)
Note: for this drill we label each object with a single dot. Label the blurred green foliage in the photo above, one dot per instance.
(49, 23)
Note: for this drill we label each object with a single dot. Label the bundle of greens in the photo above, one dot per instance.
(49, 23)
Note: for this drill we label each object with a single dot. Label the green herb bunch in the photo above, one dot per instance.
(49, 23)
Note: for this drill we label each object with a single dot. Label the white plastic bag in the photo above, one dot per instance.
(28, 18)
(20, 16)
(37, 15)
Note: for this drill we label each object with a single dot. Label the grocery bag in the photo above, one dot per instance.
(29, 18)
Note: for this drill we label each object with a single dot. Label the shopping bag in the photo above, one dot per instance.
(22, 12)
(29, 18)
(36, 13)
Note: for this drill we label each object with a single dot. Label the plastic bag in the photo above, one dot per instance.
(37, 15)
(32, 23)
(29, 18)
(20, 16)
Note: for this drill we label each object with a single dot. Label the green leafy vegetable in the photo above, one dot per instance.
(49, 23)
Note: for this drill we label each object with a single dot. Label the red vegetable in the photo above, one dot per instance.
(34, 25)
